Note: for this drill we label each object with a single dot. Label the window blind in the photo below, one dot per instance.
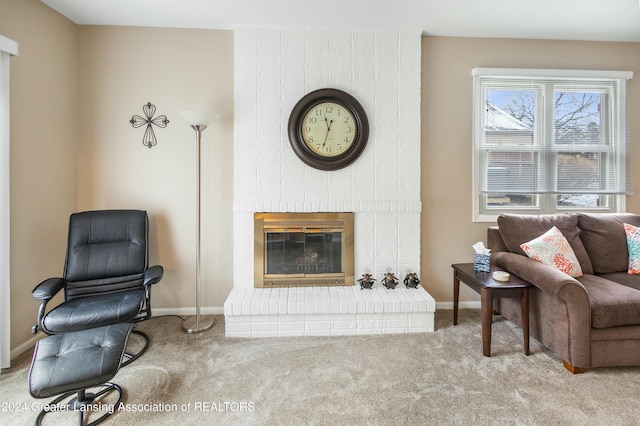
(551, 132)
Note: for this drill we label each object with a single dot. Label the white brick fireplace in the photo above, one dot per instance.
(273, 70)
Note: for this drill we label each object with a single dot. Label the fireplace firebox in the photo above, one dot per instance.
(303, 249)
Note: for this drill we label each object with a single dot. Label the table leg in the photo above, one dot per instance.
(486, 302)
(456, 295)
(524, 308)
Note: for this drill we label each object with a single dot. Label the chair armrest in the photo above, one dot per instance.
(45, 292)
(47, 289)
(153, 275)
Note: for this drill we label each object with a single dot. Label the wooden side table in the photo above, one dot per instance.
(490, 289)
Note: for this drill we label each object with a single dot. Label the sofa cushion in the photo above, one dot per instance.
(623, 278)
(552, 248)
(612, 304)
(518, 229)
(605, 241)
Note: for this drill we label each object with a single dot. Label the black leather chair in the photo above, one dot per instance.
(106, 277)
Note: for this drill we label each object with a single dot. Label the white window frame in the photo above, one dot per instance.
(483, 214)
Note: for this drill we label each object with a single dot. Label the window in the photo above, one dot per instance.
(547, 141)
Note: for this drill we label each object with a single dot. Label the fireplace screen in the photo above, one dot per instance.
(317, 252)
(302, 249)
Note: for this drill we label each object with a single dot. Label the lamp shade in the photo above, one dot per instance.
(198, 118)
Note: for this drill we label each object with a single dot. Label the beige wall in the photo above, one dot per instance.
(447, 229)
(74, 90)
(44, 123)
(123, 68)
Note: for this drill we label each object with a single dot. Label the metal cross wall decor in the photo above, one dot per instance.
(161, 121)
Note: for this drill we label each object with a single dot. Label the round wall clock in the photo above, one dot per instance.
(328, 129)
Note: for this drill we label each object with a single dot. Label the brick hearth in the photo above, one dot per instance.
(327, 311)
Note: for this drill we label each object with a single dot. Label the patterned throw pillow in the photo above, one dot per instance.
(553, 249)
(633, 245)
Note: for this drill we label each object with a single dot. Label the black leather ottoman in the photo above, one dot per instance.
(75, 361)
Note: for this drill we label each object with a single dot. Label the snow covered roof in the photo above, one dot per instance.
(498, 120)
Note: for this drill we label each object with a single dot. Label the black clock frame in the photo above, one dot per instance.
(308, 102)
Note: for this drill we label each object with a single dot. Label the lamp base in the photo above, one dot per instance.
(197, 324)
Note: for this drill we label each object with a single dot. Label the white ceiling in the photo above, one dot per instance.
(607, 20)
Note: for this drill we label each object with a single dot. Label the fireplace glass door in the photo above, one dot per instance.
(303, 252)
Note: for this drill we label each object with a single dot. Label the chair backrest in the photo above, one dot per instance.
(106, 252)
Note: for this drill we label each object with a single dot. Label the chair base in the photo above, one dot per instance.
(132, 357)
(82, 403)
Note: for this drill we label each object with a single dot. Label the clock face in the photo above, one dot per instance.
(328, 129)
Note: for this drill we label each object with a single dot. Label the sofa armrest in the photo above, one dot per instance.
(540, 275)
(577, 309)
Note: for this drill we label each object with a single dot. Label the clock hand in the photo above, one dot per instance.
(325, 138)
(329, 123)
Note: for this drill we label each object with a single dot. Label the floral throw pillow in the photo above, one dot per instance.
(633, 244)
(553, 249)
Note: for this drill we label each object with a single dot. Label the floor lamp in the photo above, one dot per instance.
(198, 120)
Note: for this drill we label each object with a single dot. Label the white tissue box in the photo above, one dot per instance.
(482, 262)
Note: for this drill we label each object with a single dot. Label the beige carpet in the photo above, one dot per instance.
(433, 378)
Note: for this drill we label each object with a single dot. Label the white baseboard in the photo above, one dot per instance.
(215, 310)
(184, 312)
(211, 310)
(461, 305)
(20, 349)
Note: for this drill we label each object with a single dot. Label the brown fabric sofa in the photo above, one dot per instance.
(589, 321)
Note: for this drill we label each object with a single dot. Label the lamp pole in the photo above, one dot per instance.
(198, 122)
